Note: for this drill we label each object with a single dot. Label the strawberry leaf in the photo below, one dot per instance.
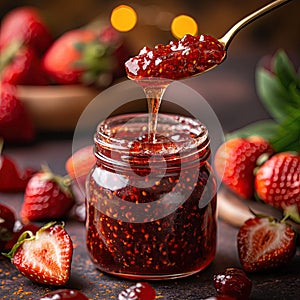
(273, 95)
(264, 129)
(279, 88)
(287, 135)
(285, 70)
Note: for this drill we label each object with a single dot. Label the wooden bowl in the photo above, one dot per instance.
(56, 108)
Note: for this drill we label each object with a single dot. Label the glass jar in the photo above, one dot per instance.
(151, 206)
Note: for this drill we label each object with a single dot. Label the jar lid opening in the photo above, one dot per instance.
(174, 134)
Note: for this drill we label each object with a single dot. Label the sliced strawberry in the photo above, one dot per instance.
(25, 24)
(264, 243)
(236, 160)
(45, 257)
(277, 183)
(15, 124)
(47, 196)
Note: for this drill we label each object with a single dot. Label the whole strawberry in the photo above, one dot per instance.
(45, 257)
(15, 124)
(277, 182)
(235, 162)
(264, 243)
(21, 65)
(61, 61)
(47, 196)
(83, 56)
(26, 25)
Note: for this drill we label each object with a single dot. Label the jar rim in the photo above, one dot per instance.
(121, 131)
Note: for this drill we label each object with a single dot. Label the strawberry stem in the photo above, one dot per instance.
(291, 211)
(25, 236)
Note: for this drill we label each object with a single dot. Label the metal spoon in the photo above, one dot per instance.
(228, 36)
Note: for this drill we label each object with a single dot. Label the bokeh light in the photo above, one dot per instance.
(123, 18)
(182, 25)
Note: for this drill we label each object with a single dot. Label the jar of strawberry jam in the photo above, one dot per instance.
(151, 205)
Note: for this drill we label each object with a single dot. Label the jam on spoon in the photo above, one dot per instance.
(190, 56)
(179, 59)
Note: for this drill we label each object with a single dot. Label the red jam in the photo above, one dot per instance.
(177, 60)
(151, 207)
(64, 294)
(139, 291)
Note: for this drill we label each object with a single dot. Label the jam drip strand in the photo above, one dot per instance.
(154, 96)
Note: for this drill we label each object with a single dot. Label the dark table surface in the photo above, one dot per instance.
(235, 87)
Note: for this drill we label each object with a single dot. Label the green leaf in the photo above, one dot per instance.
(294, 92)
(273, 95)
(25, 236)
(285, 70)
(287, 136)
(265, 129)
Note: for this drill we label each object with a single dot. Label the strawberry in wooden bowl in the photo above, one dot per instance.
(57, 78)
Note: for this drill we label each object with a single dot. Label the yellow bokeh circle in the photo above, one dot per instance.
(182, 25)
(123, 18)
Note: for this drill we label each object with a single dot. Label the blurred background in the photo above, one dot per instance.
(277, 30)
(281, 28)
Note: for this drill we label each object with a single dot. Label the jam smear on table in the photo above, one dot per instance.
(168, 245)
(139, 291)
(179, 59)
(64, 294)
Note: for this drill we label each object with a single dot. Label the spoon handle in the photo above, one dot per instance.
(226, 39)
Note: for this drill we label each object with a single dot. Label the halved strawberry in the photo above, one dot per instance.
(264, 243)
(277, 182)
(235, 162)
(45, 257)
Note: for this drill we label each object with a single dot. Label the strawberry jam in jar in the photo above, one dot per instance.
(151, 203)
